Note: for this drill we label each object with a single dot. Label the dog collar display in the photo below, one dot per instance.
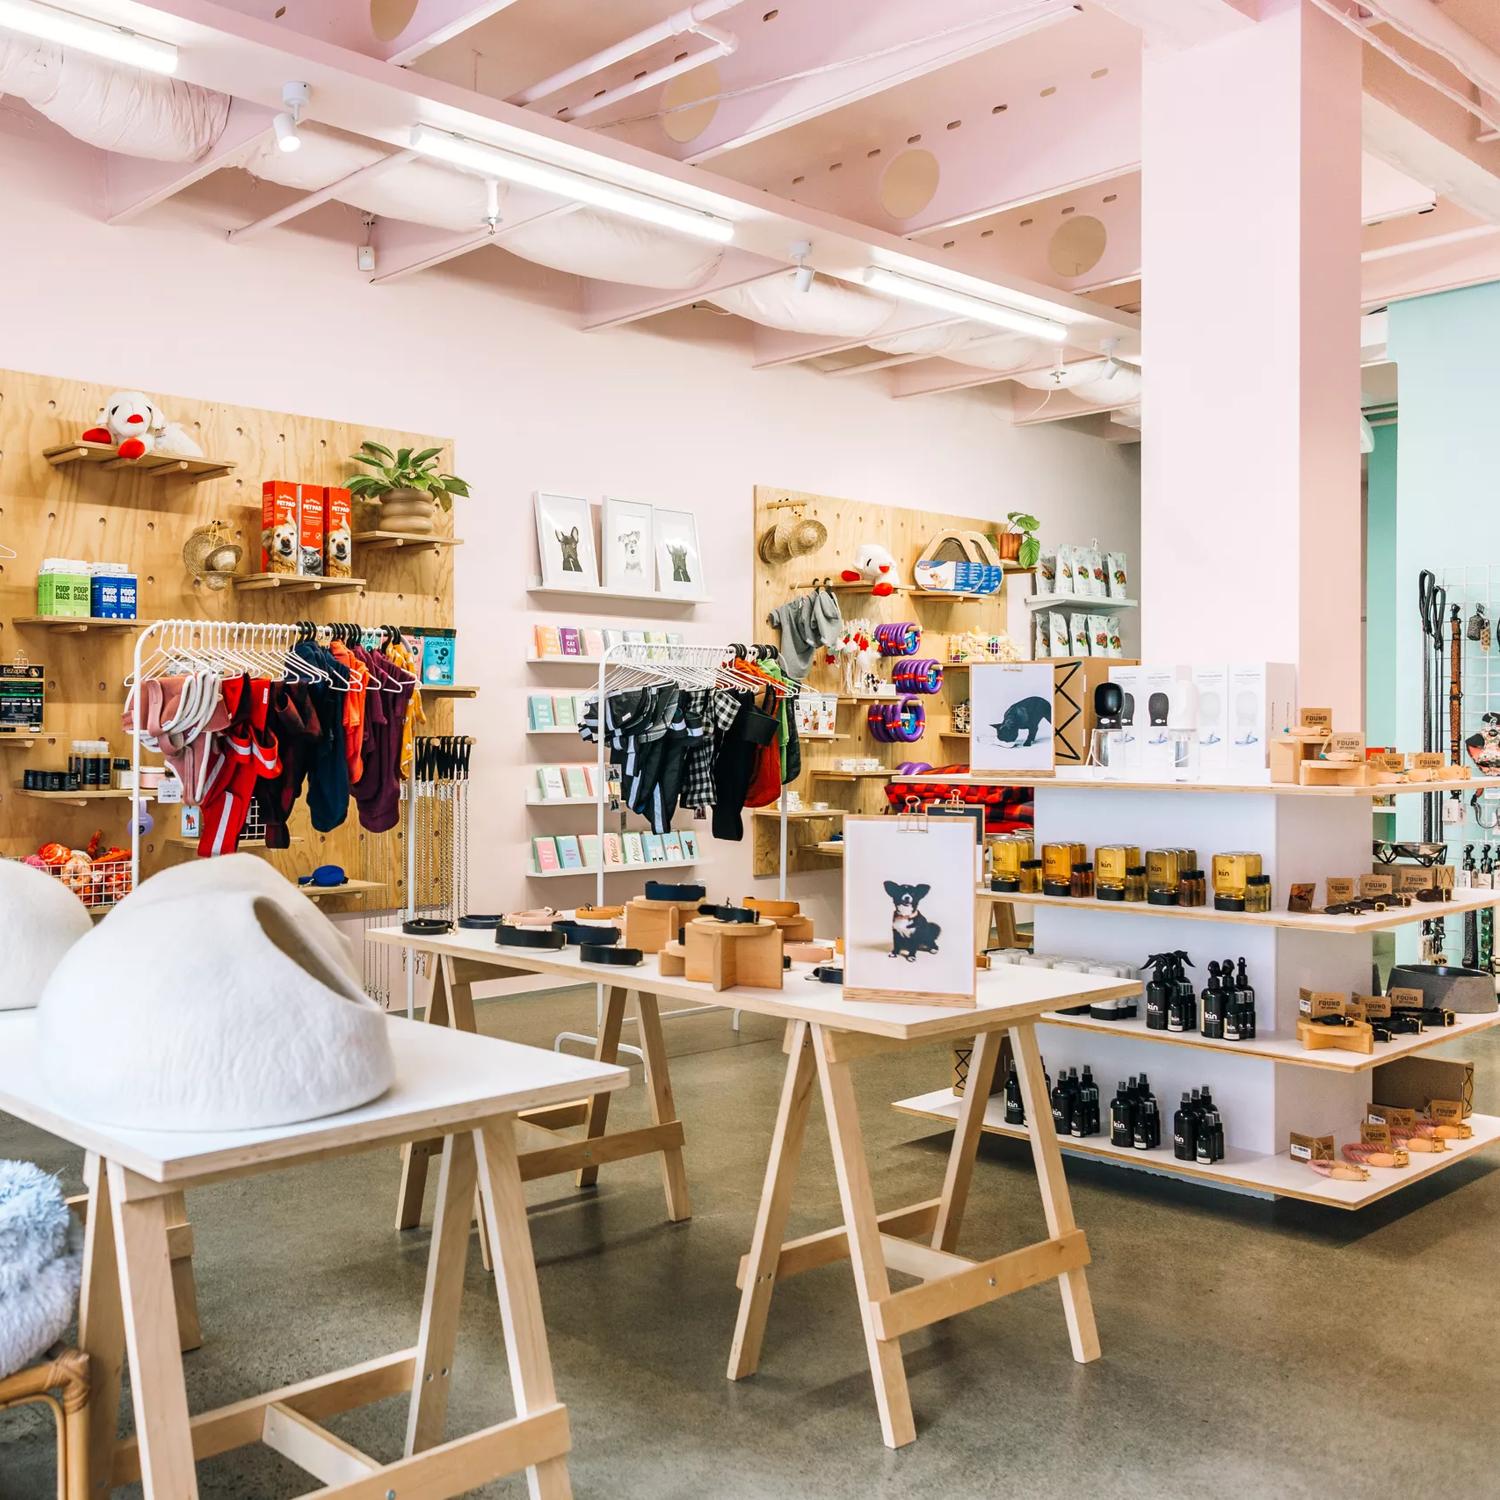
(657, 890)
(624, 958)
(426, 927)
(481, 920)
(809, 953)
(529, 937)
(595, 934)
(827, 974)
(530, 918)
(742, 914)
(598, 913)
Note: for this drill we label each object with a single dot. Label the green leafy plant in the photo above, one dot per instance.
(1028, 526)
(403, 470)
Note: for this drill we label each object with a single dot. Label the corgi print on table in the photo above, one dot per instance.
(911, 932)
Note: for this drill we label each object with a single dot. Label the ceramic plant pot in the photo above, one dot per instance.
(1008, 544)
(410, 511)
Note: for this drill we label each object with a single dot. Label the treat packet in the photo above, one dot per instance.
(1043, 634)
(1119, 581)
(1116, 641)
(1046, 572)
(1098, 635)
(1062, 634)
(1079, 625)
(1063, 575)
(1088, 573)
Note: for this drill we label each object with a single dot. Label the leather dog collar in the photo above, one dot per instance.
(809, 953)
(625, 958)
(659, 890)
(827, 974)
(741, 914)
(480, 920)
(426, 926)
(592, 933)
(529, 937)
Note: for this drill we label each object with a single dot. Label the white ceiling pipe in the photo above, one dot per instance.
(1430, 242)
(663, 31)
(299, 206)
(1431, 28)
(722, 43)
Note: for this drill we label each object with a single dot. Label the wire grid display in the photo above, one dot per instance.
(1467, 585)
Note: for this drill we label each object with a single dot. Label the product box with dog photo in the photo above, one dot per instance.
(1010, 714)
(909, 910)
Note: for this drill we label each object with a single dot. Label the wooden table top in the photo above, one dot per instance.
(1007, 995)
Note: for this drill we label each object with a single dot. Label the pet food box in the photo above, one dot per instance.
(280, 526)
(338, 532)
(310, 530)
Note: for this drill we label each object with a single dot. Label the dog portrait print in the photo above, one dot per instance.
(911, 932)
(1022, 721)
(568, 541)
(679, 556)
(630, 546)
(279, 543)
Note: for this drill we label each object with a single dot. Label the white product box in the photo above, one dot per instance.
(1157, 683)
(1262, 699)
(1212, 684)
(1133, 714)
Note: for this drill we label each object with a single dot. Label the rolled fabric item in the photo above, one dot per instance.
(594, 933)
(426, 926)
(482, 921)
(625, 958)
(660, 890)
(530, 937)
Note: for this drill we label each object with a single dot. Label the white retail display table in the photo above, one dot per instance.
(470, 1089)
(825, 1034)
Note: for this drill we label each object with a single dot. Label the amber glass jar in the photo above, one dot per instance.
(1192, 888)
(1258, 893)
(1082, 881)
(1135, 883)
(1058, 860)
(1031, 877)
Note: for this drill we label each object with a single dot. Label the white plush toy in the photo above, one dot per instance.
(873, 564)
(136, 426)
(40, 919)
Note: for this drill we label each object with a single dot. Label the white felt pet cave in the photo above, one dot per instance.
(40, 919)
(213, 1013)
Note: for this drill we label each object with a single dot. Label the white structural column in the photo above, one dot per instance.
(1250, 493)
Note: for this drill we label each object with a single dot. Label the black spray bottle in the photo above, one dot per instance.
(1121, 1126)
(1086, 1111)
(1244, 997)
(1146, 1121)
(1215, 1004)
(1182, 1008)
(1210, 1141)
(1185, 1130)
(1160, 989)
(1015, 1113)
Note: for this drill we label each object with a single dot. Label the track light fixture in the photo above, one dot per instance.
(801, 249)
(492, 161)
(295, 97)
(909, 289)
(99, 38)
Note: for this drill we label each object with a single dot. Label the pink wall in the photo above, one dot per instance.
(673, 416)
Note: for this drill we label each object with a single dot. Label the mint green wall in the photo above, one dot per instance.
(1381, 603)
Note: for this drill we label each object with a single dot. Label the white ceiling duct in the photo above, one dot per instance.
(832, 309)
(114, 108)
(418, 191)
(928, 342)
(1097, 380)
(1127, 416)
(605, 248)
(1002, 351)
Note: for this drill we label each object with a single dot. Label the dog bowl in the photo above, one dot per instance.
(1447, 986)
(1388, 852)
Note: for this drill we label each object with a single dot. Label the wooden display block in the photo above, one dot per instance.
(725, 954)
(651, 925)
(787, 915)
(672, 960)
(1290, 751)
(1333, 773)
(1355, 1037)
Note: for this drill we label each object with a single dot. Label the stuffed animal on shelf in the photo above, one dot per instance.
(874, 564)
(136, 427)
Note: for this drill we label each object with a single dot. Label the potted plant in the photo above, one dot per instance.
(408, 487)
(1018, 542)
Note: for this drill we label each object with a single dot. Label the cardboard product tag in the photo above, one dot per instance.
(1375, 1007)
(1427, 760)
(1343, 746)
(1310, 1147)
(1389, 1114)
(1354, 1008)
(1445, 1111)
(1301, 896)
(1376, 885)
(1340, 889)
(1411, 878)
(1371, 1134)
(1389, 760)
(1405, 999)
(1316, 1004)
(1320, 719)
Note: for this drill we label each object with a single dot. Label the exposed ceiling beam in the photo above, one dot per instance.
(1422, 134)
(899, 40)
(403, 248)
(133, 184)
(607, 304)
(1184, 23)
(1432, 28)
(775, 347)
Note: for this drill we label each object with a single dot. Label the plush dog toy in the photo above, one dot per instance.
(873, 564)
(136, 426)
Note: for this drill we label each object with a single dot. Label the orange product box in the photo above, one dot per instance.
(310, 529)
(338, 532)
(280, 526)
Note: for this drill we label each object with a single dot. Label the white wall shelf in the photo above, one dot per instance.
(1277, 1175)
(1076, 601)
(562, 661)
(572, 734)
(535, 799)
(634, 596)
(593, 870)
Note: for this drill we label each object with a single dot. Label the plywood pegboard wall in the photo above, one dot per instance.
(92, 512)
(906, 533)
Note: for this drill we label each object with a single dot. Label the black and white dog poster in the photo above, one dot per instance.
(909, 910)
(565, 541)
(1010, 716)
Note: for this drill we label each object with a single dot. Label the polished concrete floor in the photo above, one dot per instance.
(1250, 1349)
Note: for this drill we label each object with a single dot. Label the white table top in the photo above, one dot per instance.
(1006, 995)
(444, 1079)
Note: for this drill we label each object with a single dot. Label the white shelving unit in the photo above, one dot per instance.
(1075, 602)
(633, 596)
(1270, 1086)
(593, 870)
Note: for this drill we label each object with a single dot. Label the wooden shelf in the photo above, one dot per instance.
(798, 814)
(817, 737)
(635, 596)
(1277, 1175)
(1218, 788)
(883, 775)
(22, 741)
(157, 465)
(74, 624)
(183, 842)
(952, 596)
(349, 888)
(1091, 606)
(84, 796)
(1296, 921)
(295, 583)
(396, 541)
(1287, 1049)
(592, 870)
(447, 690)
(834, 848)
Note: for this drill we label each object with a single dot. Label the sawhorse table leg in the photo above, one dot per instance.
(877, 1244)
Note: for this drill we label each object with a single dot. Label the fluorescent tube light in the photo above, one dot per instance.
(909, 289)
(114, 43)
(491, 161)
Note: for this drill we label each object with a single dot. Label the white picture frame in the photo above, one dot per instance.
(909, 910)
(679, 563)
(565, 541)
(627, 541)
(1010, 716)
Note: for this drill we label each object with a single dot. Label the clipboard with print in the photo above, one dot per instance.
(909, 909)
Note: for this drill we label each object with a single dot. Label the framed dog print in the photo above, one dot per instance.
(1010, 716)
(909, 904)
(679, 565)
(629, 549)
(565, 540)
